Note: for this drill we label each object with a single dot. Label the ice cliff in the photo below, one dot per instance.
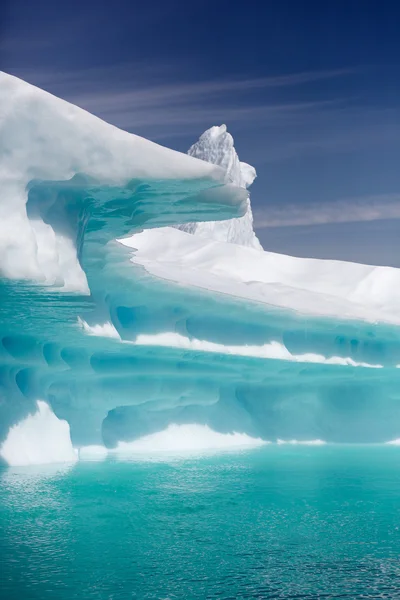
(120, 331)
(216, 146)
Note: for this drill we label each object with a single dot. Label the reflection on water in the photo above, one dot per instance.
(282, 522)
(33, 475)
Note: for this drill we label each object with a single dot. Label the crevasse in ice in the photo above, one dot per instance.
(116, 326)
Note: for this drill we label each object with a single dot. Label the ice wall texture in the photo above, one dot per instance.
(216, 146)
(123, 339)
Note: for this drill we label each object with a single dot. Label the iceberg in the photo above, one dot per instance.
(216, 146)
(138, 309)
(58, 163)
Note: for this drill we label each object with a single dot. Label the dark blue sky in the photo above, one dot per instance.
(310, 91)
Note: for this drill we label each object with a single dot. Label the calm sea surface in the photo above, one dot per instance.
(277, 522)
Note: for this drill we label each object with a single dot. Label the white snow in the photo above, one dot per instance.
(187, 438)
(41, 438)
(99, 329)
(216, 146)
(45, 138)
(272, 350)
(310, 286)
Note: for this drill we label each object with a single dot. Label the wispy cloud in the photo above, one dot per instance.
(137, 73)
(139, 97)
(346, 210)
(161, 102)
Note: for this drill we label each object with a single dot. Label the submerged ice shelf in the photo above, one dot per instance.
(124, 326)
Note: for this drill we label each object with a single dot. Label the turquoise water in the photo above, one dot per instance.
(278, 522)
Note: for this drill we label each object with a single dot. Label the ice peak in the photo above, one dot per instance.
(216, 146)
(216, 130)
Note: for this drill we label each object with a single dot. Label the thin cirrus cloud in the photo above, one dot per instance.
(134, 75)
(346, 210)
(138, 97)
(280, 114)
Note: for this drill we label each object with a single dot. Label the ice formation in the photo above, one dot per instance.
(38, 439)
(130, 332)
(187, 438)
(216, 146)
(58, 163)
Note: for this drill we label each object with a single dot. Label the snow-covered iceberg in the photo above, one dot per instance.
(123, 326)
